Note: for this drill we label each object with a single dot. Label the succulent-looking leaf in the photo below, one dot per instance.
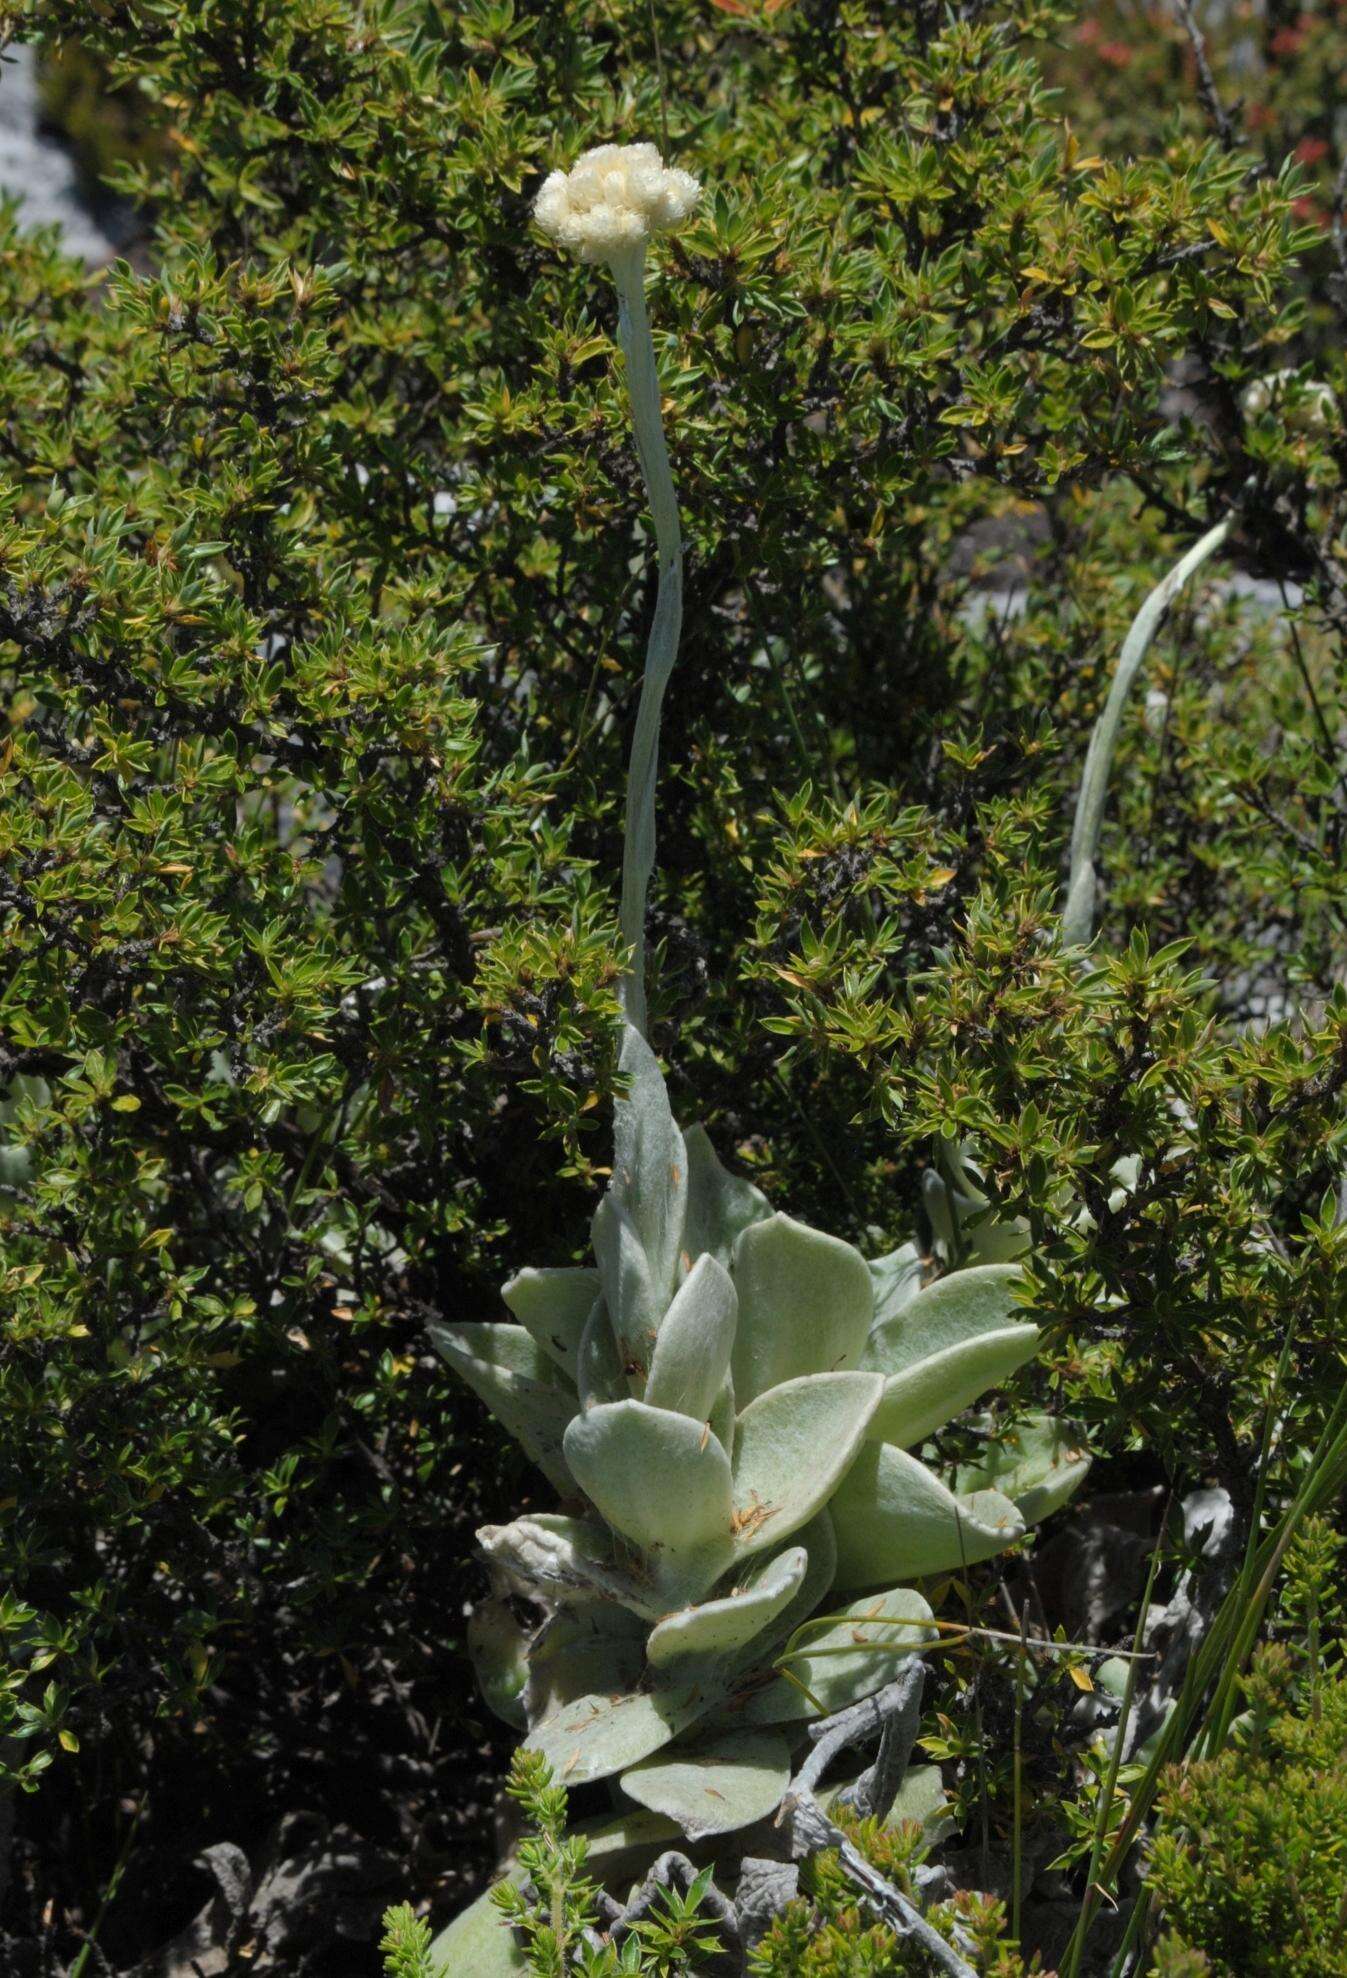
(478, 1944)
(520, 1385)
(614, 1845)
(580, 1651)
(990, 1238)
(720, 1205)
(634, 1308)
(600, 1734)
(498, 1650)
(895, 1520)
(650, 1165)
(938, 1203)
(918, 1401)
(950, 1343)
(598, 1367)
(567, 1559)
(993, 1240)
(805, 1305)
(819, 1541)
(553, 1306)
(503, 1348)
(954, 1310)
(714, 1789)
(791, 1446)
(1037, 1464)
(692, 1351)
(921, 1797)
(722, 1418)
(659, 1478)
(897, 1280)
(863, 1648)
(720, 1626)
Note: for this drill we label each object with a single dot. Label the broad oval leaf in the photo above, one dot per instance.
(478, 1944)
(1038, 1463)
(897, 1521)
(598, 1735)
(720, 1205)
(933, 1391)
(721, 1626)
(844, 1656)
(921, 1797)
(715, 1788)
(498, 1650)
(553, 1306)
(692, 1350)
(659, 1478)
(954, 1310)
(580, 1651)
(806, 1303)
(897, 1280)
(947, 1345)
(521, 1387)
(791, 1447)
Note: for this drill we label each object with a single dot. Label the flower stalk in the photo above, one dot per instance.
(638, 851)
(1079, 909)
(606, 208)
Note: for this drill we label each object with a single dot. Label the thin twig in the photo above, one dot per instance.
(814, 1831)
(1206, 82)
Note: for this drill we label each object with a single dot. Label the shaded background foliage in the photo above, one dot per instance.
(322, 577)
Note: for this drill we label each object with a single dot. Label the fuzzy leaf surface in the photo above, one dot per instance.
(896, 1520)
(523, 1389)
(1038, 1464)
(806, 1303)
(720, 1205)
(692, 1352)
(717, 1788)
(553, 1306)
(659, 1478)
(792, 1446)
(858, 1653)
(650, 1165)
(723, 1625)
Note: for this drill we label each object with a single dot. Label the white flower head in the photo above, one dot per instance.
(1306, 404)
(613, 199)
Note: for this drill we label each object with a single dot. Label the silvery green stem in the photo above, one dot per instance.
(1078, 912)
(638, 854)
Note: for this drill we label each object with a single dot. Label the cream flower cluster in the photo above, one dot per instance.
(613, 199)
(1308, 405)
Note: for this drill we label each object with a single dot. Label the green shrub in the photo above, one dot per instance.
(829, 1931)
(104, 127)
(1247, 1864)
(321, 581)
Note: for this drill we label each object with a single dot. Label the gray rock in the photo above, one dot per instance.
(36, 169)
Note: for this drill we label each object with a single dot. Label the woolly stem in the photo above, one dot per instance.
(1078, 912)
(638, 851)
